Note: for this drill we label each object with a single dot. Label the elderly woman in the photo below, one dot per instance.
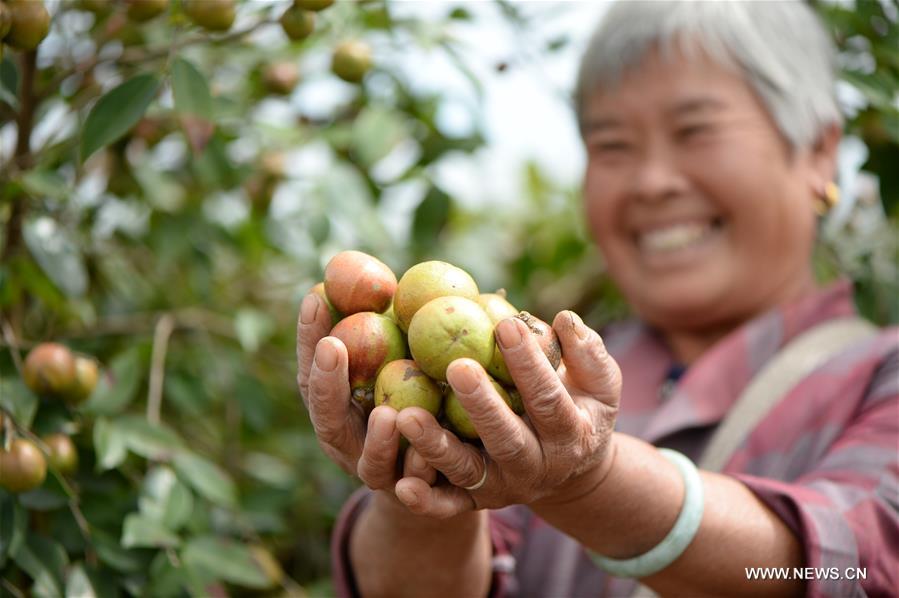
(711, 132)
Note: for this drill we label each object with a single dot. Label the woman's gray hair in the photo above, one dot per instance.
(780, 47)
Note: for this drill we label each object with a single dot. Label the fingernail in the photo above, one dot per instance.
(508, 334)
(578, 325)
(412, 429)
(325, 357)
(407, 496)
(308, 309)
(463, 378)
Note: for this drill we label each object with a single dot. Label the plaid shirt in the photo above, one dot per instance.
(826, 459)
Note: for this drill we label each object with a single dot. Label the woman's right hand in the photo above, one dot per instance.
(367, 450)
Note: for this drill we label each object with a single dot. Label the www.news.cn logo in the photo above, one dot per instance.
(807, 573)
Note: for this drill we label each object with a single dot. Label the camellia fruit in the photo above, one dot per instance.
(449, 328)
(319, 289)
(29, 24)
(212, 15)
(357, 282)
(62, 456)
(49, 370)
(372, 341)
(315, 5)
(459, 419)
(426, 281)
(297, 23)
(23, 467)
(87, 374)
(144, 10)
(403, 384)
(351, 60)
(281, 77)
(5, 20)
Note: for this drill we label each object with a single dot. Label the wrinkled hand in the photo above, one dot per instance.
(339, 422)
(559, 446)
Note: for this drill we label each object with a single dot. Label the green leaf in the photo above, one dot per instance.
(142, 532)
(224, 560)
(430, 217)
(207, 478)
(9, 82)
(165, 499)
(113, 554)
(44, 561)
(18, 399)
(119, 384)
(110, 444)
(376, 131)
(58, 255)
(13, 526)
(253, 327)
(116, 112)
(78, 584)
(46, 183)
(152, 441)
(191, 90)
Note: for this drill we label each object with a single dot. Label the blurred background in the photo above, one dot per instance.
(177, 192)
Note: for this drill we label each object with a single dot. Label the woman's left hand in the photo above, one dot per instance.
(560, 449)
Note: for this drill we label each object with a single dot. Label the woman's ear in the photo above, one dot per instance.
(823, 157)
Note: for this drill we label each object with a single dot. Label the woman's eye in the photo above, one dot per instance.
(611, 146)
(691, 131)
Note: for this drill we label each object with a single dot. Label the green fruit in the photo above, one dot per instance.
(460, 421)
(144, 10)
(357, 282)
(297, 23)
(5, 20)
(87, 374)
(212, 15)
(23, 467)
(449, 328)
(315, 5)
(372, 341)
(30, 23)
(498, 308)
(62, 456)
(402, 384)
(351, 60)
(429, 280)
(49, 370)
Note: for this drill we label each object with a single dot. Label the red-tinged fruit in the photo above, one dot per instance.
(319, 289)
(62, 454)
(49, 370)
(426, 281)
(372, 341)
(449, 328)
(29, 24)
(87, 374)
(23, 467)
(281, 77)
(357, 282)
(458, 417)
(403, 384)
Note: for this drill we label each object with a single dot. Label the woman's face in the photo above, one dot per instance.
(703, 213)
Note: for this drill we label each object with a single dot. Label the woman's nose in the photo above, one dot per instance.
(657, 176)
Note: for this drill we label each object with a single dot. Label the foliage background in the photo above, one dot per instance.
(181, 268)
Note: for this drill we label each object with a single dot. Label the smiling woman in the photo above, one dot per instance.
(711, 132)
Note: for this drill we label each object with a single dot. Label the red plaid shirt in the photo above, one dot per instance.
(826, 459)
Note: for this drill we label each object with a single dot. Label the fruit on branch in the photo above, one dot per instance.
(23, 467)
(458, 417)
(62, 453)
(144, 10)
(29, 24)
(403, 384)
(315, 5)
(49, 370)
(212, 15)
(372, 341)
(426, 281)
(448, 328)
(281, 77)
(357, 282)
(87, 374)
(297, 23)
(351, 60)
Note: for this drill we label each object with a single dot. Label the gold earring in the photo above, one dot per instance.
(827, 198)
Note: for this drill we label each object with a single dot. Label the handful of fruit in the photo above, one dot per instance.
(434, 314)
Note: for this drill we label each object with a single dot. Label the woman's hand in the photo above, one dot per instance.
(339, 422)
(558, 451)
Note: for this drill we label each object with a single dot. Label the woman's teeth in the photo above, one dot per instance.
(678, 236)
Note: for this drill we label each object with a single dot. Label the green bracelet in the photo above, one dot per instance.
(677, 540)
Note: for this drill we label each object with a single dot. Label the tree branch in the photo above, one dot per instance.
(164, 328)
